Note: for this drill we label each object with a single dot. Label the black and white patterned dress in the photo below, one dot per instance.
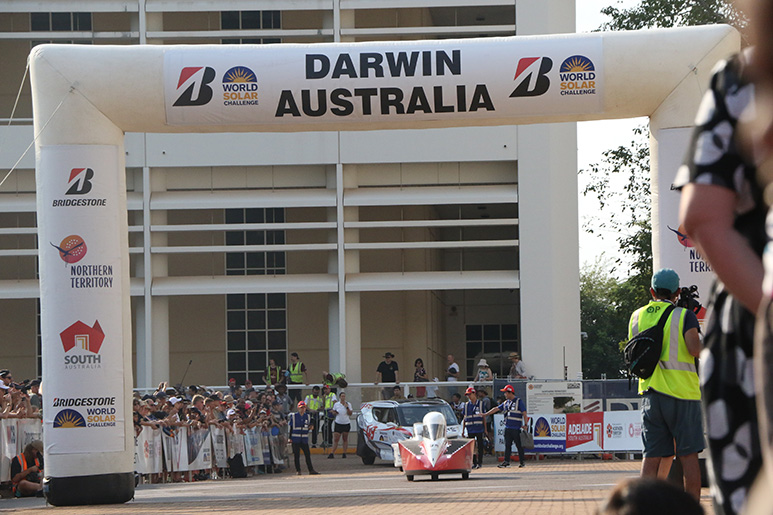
(726, 372)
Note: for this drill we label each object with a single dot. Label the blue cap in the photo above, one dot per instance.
(665, 279)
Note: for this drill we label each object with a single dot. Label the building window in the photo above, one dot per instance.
(494, 343)
(60, 22)
(256, 323)
(250, 20)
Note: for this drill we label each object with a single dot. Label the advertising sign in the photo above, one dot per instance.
(81, 299)
(554, 397)
(368, 82)
(584, 432)
(622, 431)
(549, 433)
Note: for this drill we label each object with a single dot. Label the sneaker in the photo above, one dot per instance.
(330, 456)
(313, 473)
(344, 456)
(521, 465)
(503, 465)
(313, 446)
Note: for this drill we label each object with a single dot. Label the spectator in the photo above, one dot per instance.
(723, 212)
(397, 393)
(643, 496)
(283, 398)
(232, 386)
(334, 379)
(296, 374)
(248, 386)
(6, 377)
(485, 405)
(517, 369)
(484, 372)
(420, 376)
(452, 371)
(329, 399)
(274, 374)
(36, 401)
(343, 410)
(27, 471)
(670, 406)
(456, 404)
(387, 372)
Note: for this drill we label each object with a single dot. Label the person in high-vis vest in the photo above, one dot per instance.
(300, 425)
(296, 374)
(515, 417)
(474, 423)
(670, 406)
(329, 399)
(314, 403)
(27, 470)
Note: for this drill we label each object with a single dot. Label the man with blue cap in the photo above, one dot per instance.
(670, 406)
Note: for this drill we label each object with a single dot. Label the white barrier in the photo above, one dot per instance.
(16, 433)
(609, 431)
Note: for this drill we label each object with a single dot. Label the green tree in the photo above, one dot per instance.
(673, 13)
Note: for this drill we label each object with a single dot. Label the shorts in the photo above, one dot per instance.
(670, 425)
(342, 428)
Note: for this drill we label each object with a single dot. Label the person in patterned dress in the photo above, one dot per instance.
(723, 213)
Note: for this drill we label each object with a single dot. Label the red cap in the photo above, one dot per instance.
(301, 404)
(469, 390)
(508, 388)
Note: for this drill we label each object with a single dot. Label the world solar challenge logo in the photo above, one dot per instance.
(240, 87)
(69, 418)
(578, 76)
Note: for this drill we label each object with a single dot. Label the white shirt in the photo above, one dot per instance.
(453, 367)
(342, 416)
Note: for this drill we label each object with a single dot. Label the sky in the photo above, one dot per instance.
(593, 138)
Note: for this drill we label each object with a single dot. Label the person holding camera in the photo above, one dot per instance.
(670, 406)
(27, 470)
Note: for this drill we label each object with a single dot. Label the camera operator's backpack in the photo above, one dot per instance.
(642, 352)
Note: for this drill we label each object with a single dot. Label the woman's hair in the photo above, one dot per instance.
(418, 360)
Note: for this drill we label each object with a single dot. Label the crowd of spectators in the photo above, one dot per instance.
(19, 400)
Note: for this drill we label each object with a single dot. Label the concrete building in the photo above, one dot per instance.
(338, 246)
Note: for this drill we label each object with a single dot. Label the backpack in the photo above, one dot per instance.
(237, 466)
(642, 352)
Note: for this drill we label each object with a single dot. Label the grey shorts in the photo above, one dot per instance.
(668, 422)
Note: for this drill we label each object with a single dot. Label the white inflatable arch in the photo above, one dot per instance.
(86, 97)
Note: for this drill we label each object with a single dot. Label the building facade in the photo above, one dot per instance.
(339, 246)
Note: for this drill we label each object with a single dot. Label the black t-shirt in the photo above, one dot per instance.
(387, 371)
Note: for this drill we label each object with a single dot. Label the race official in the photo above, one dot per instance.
(27, 470)
(314, 403)
(670, 407)
(296, 374)
(300, 425)
(515, 416)
(474, 423)
(328, 399)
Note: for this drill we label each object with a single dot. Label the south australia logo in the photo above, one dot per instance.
(194, 87)
(240, 87)
(81, 345)
(578, 76)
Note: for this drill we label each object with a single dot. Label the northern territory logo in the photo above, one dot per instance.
(578, 76)
(69, 418)
(79, 184)
(531, 77)
(193, 86)
(72, 249)
(240, 87)
(81, 345)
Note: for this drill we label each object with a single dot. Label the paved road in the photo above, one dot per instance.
(348, 486)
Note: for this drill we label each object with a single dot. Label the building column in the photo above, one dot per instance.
(549, 250)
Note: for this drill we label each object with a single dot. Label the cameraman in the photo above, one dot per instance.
(27, 471)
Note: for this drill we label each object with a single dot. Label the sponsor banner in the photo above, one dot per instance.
(148, 452)
(199, 450)
(499, 434)
(549, 432)
(676, 250)
(253, 447)
(584, 431)
(235, 441)
(81, 298)
(175, 442)
(554, 397)
(622, 431)
(368, 83)
(219, 448)
(9, 447)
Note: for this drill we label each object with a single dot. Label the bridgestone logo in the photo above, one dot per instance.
(84, 401)
(80, 202)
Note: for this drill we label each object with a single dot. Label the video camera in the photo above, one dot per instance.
(688, 298)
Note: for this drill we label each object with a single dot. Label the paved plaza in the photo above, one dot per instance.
(349, 487)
